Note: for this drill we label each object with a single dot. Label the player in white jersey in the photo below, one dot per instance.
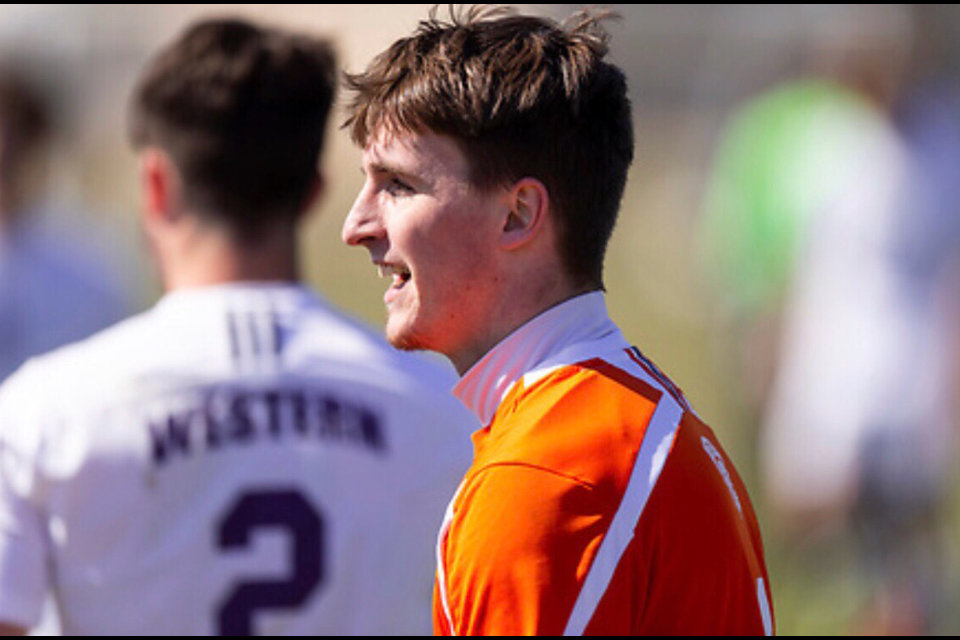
(241, 458)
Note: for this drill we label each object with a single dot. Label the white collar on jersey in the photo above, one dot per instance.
(575, 330)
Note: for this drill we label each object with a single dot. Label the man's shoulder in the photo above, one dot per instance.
(66, 381)
(586, 420)
(613, 416)
(98, 357)
(590, 398)
(162, 352)
(331, 336)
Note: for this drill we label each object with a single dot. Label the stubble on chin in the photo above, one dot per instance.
(405, 339)
(407, 343)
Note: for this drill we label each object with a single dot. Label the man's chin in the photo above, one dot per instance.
(405, 340)
(407, 345)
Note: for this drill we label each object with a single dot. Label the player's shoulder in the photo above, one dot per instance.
(68, 381)
(413, 388)
(563, 444)
(332, 336)
(594, 389)
(91, 364)
(585, 420)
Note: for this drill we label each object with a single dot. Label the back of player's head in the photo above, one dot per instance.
(241, 111)
(523, 96)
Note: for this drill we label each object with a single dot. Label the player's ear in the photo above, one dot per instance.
(528, 203)
(159, 186)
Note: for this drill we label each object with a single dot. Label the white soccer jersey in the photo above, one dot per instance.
(238, 459)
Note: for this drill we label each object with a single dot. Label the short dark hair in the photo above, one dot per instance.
(523, 96)
(241, 110)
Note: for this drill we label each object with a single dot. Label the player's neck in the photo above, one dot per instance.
(215, 259)
(520, 303)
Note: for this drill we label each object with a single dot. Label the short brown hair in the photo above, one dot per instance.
(242, 111)
(523, 96)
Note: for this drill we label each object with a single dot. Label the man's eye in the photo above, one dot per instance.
(398, 187)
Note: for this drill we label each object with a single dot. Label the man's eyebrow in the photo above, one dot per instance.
(382, 167)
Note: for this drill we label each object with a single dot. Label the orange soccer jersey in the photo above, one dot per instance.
(597, 503)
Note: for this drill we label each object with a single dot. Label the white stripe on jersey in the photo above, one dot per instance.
(255, 337)
(657, 442)
(765, 614)
(441, 569)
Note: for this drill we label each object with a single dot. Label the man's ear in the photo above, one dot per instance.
(159, 187)
(528, 204)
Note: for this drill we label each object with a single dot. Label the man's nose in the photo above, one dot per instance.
(363, 224)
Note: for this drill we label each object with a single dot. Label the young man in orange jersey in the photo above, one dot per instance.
(496, 148)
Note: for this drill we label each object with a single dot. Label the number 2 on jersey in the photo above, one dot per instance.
(286, 510)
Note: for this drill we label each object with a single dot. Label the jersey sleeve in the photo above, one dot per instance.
(518, 548)
(23, 547)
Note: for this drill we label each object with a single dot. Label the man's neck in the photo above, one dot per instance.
(215, 260)
(513, 316)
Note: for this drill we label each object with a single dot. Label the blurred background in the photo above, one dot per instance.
(788, 251)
